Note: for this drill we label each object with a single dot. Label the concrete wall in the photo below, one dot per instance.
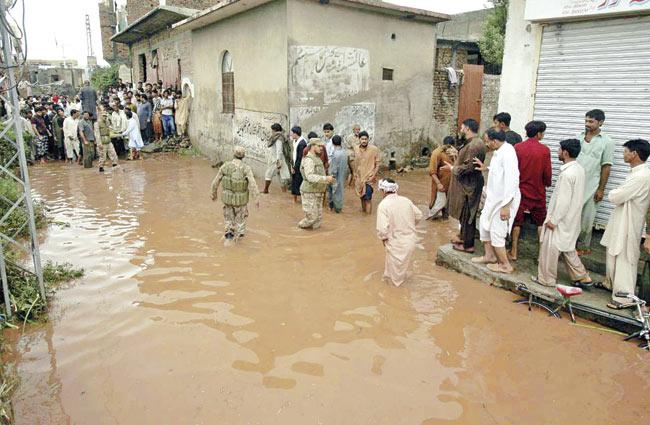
(336, 56)
(171, 46)
(257, 41)
(520, 61)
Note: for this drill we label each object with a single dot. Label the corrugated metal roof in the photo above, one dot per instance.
(154, 21)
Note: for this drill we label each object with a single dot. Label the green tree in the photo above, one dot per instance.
(494, 33)
(103, 78)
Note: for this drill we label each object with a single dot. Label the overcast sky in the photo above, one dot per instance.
(56, 29)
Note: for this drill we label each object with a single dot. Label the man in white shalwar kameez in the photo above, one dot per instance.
(562, 225)
(622, 236)
(396, 221)
(501, 201)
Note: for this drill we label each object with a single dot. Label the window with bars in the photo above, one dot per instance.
(228, 92)
(387, 74)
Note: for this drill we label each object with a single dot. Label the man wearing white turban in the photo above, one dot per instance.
(397, 217)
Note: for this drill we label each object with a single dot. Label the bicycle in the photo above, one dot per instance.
(540, 303)
(644, 318)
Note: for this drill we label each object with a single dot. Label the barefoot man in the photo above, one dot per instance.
(396, 220)
(501, 202)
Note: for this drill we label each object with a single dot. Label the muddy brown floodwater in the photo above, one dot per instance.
(288, 327)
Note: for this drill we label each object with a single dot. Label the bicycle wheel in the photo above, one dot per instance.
(539, 307)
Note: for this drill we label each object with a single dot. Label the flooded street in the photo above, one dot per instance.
(168, 326)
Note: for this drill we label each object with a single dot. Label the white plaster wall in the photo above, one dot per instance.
(520, 61)
(341, 52)
(257, 41)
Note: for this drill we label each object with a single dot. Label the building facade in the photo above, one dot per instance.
(108, 22)
(566, 57)
(342, 61)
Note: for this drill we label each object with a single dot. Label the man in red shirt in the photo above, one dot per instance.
(534, 177)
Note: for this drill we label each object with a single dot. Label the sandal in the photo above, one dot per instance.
(482, 260)
(615, 305)
(498, 268)
(581, 284)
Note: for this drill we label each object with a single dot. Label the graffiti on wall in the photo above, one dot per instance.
(327, 74)
(252, 130)
(357, 113)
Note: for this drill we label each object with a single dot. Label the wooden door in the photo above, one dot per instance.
(471, 94)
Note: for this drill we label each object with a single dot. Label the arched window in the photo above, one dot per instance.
(228, 84)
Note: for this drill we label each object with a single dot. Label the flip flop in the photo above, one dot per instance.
(481, 260)
(580, 284)
(497, 268)
(615, 305)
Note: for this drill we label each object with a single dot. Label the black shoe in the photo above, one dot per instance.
(229, 236)
(114, 165)
(101, 169)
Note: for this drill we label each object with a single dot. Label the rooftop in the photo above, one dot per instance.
(154, 21)
(227, 8)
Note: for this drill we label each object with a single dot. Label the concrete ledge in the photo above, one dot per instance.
(591, 305)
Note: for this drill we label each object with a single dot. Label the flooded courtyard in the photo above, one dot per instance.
(288, 326)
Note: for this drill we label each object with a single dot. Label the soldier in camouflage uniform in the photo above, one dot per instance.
(313, 185)
(102, 128)
(238, 183)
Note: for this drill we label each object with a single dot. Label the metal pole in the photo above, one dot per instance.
(5, 282)
(13, 97)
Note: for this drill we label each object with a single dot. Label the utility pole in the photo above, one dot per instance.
(7, 170)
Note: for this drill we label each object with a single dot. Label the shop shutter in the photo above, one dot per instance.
(602, 64)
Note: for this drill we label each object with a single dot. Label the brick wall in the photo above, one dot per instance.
(444, 57)
(446, 99)
(112, 52)
(170, 47)
(490, 103)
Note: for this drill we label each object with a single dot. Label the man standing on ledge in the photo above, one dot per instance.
(622, 236)
(396, 221)
(365, 166)
(501, 202)
(562, 224)
(238, 184)
(596, 157)
(466, 185)
(535, 175)
(314, 183)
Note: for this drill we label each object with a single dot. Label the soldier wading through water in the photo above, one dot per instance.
(314, 183)
(238, 184)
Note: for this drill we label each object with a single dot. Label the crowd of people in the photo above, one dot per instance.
(93, 125)
(492, 185)
(498, 197)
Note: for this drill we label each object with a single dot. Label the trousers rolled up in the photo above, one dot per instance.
(312, 206)
(71, 147)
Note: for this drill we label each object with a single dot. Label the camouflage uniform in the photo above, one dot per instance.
(313, 185)
(105, 146)
(238, 181)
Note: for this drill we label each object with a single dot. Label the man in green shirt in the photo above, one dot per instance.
(596, 157)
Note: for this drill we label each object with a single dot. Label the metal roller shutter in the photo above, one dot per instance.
(602, 64)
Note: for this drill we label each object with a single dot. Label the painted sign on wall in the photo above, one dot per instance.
(545, 10)
(327, 74)
(252, 130)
